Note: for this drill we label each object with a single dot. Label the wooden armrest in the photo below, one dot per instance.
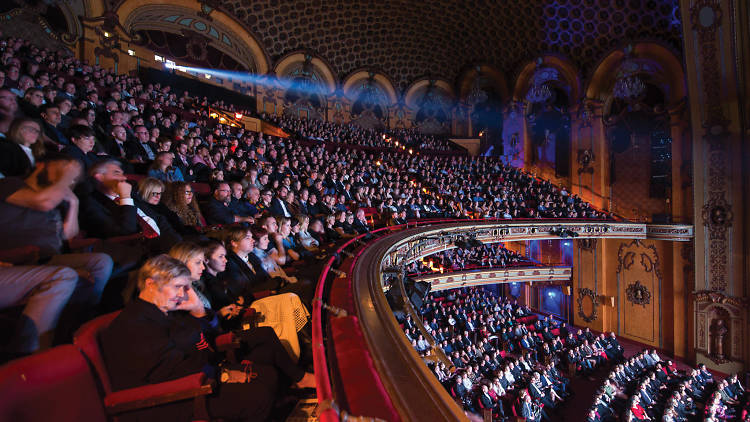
(152, 395)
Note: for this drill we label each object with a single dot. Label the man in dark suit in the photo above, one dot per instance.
(279, 206)
(238, 204)
(109, 210)
(141, 149)
(51, 118)
(217, 211)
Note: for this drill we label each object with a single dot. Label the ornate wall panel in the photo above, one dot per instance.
(639, 279)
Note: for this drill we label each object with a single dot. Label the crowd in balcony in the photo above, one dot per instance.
(114, 189)
(486, 255)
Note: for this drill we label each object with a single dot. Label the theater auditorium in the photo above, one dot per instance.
(359, 210)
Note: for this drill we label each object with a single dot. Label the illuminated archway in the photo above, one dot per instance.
(221, 31)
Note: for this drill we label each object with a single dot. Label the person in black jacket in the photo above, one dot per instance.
(109, 210)
(217, 210)
(21, 148)
(81, 147)
(244, 275)
(163, 335)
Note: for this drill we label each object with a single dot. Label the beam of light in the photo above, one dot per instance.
(301, 85)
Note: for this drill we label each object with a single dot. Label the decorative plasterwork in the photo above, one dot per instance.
(177, 20)
(582, 295)
(638, 294)
(706, 18)
(554, 275)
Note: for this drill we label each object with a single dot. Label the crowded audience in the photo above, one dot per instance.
(487, 255)
(103, 174)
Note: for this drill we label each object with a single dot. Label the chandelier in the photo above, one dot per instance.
(539, 94)
(629, 88)
(477, 95)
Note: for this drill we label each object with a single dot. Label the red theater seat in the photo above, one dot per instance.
(55, 385)
(194, 386)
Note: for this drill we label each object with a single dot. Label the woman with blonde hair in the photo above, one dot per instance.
(21, 149)
(181, 201)
(194, 257)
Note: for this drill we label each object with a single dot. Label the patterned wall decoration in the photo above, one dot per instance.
(638, 294)
(706, 19)
(586, 298)
(720, 341)
(408, 40)
(639, 287)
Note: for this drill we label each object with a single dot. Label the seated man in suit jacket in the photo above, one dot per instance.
(217, 210)
(279, 206)
(109, 210)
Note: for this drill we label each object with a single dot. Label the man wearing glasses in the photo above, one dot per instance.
(217, 210)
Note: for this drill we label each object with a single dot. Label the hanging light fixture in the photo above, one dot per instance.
(539, 94)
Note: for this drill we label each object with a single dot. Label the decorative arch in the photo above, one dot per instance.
(221, 31)
(294, 61)
(482, 76)
(550, 87)
(567, 77)
(419, 86)
(661, 63)
(349, 84)
(371, 95)
(432, 101)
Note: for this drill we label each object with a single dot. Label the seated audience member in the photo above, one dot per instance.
(279, 205)
(43, 290)
(51, 129)
(238, 204)
(116, 143)
(82, 146)
(180, 200)
(162, 168)
(149, 196)
(141, 149)
(154, 340)
(42, 211)
(109, 208)
(32, 101)
(21, 148)
(8, 110)
(194, 257)
(217, 211)
(305, 238)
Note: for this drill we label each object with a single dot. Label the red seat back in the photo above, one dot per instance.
(86, 339)
(54, 385)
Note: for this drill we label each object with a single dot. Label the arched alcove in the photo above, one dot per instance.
(200, 35)
(550, 87)
(306, 82)
(484, 89)
(371, 96)
(431, 101)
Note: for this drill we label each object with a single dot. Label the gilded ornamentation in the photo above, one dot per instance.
(582, 294)
(638, 294)
(585, 159)
(706, 18)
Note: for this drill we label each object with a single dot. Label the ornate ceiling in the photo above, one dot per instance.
(408, 39)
